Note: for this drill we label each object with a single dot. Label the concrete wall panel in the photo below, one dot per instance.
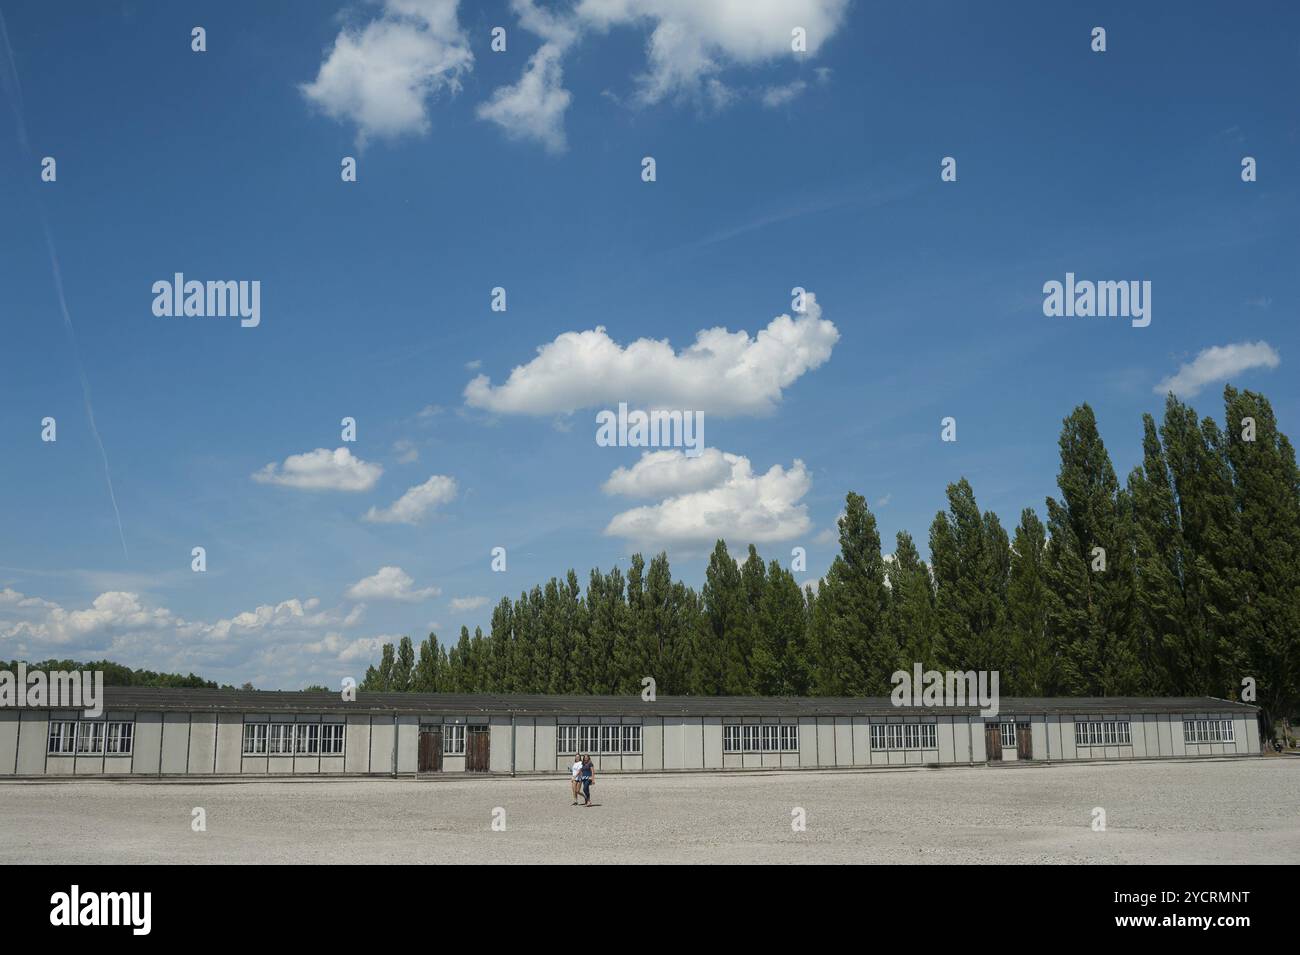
(175, 742)
(8, 742)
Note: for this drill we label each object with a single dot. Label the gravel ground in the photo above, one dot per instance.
(1227, 812)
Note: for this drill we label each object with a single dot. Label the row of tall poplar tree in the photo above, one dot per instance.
(1185, 580)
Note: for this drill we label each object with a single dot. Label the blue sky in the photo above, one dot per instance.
(522, 169)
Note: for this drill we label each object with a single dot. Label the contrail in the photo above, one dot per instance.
(14, 92)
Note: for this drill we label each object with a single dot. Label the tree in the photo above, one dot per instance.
(1090, 567)
(849, 639)
(1034, 670)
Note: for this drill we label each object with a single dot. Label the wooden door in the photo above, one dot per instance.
(476, 749)
(1024, 742)
(993, 733)
(431, 750)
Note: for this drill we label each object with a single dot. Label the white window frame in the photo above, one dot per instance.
(280, 739)
(332, 737)
(631, 738)
(1209, 731)
(255, 742)
(62, 739)
(453, 739)
(1007, 733)
(119, 737)
(90, 738)
(731, 738)
(566, 739)
(307, 740)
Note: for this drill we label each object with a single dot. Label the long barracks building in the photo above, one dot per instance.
(177, 732)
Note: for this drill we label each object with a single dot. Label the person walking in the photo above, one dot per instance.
(588, 777)
(575, 771)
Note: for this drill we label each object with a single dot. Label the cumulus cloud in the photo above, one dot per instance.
(667, 473)
(1218, 364)
(114, 614)
(725, 373)
(417, 503)
(343, 650)
(534, 107)
(390, 583)
(382, 76)
(691, 42)
(464, 604)
(741, 506)
(322, 470)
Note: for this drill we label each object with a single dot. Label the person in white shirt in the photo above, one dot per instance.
(576, 770)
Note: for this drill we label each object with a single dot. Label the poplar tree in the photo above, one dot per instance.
(912, 617)
(1091, 604)
(1267, 487)
(1034, 670)
(850, 641)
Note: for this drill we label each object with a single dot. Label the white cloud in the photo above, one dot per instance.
(322, 470)
(667, 473)
(390, 583)
(416, 504)
(382, 76)
(1218, 364)
(534, 107)
(691, 41)
(343, 650)
(775, 96)
(463, 604)
(742, 508)
(724, 373)
(406, 451)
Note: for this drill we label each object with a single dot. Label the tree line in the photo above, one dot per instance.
(1183, 580)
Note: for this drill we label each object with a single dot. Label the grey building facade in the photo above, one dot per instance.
(177, 732)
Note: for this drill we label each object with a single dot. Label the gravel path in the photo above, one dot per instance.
(1231, 811)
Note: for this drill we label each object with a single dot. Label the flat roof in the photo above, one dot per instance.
(491, 704)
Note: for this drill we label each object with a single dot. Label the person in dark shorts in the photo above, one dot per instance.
(588, 777)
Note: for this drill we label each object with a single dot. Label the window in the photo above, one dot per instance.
(254, 739)
(566, 739)
(1204, 731)
(453, 739)
(119, 738)
(789, 737)
(588, 739)
(610, 739)
(280, 739)
(764, 738)
(1008, 731)
(631, 738)
(308, 739)
(903, 736)
(1107, 733)
(90, 737)
(63, 734)
(731, 738)
(331, 739)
